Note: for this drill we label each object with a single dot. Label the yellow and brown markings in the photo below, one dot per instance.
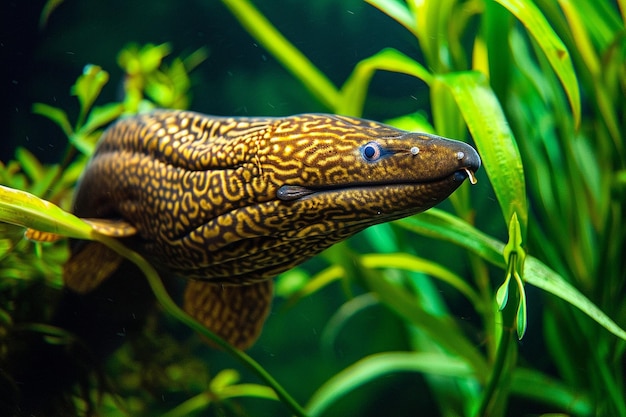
(238, 200)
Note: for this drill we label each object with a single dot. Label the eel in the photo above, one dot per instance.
(230, 202)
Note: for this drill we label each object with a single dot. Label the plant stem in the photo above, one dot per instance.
(496, 392)
(172, 308)
(492, 401)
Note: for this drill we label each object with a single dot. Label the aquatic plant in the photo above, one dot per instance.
(539, 87)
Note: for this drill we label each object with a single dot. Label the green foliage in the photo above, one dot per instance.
(490, 93)
(539, 86)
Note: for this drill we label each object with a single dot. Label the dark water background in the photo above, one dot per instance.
(238, 78)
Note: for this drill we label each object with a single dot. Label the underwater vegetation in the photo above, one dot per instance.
(507, 300)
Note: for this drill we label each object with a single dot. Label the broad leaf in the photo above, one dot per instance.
(493, 137)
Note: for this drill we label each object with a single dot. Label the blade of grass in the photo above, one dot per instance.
(535, 22)
(354, 90)
(381, 364)
(25, 209)
(407, 307)
(432, 25)
(397, 10)
(531, 384)
(413, 263)
(55, 114)
(288, 55)
(444, 226)
(493, 137)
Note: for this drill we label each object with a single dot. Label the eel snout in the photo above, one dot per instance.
(469, 161)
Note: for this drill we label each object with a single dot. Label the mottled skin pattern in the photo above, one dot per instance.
(238, 200)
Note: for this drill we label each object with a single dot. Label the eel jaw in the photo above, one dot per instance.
(296, 192)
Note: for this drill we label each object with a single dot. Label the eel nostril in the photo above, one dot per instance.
(469, 162)
(469, 158)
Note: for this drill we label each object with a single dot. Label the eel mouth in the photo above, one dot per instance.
(468, 162)
(296, 192)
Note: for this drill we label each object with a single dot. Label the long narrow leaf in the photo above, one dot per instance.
(284, 51)
(439, 224)
(381, 364)
(24, 209)
(407, 307)
(354, 89)
(495, 141)
(413, 263)
(397, 10)
(535, 22)
(532, 384)
(55, 114)
(29, 164)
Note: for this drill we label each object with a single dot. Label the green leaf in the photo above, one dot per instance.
(522, 315)
(535, 22)
(407, 262)
(441, 225)
(195, 58)
(29, 164)
(493, 137)
(515, 255)
(87, 136)
(284, 51)
(55, 114)
(539, 275)
(44, 184)
(24, 209)
(397, 10)
(248, 390)
(223, 379)
(46, 11)
(407, 306)
(432, 29)
(100, 116)
(514, 245)
(414, 122)
(151, 56)
(88, 87)
(344, 313)
(290, 282)
(379, 365)
(502, 295)
(527, 383)
(354, 90)
(316, 283)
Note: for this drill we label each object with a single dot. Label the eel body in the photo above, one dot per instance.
(230, 202)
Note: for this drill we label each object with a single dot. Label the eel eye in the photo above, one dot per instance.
(371, 151)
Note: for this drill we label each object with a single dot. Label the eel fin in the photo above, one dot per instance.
(39, 236)
(235, 313)
(93, 262)
(111, 227)
(89, 266)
